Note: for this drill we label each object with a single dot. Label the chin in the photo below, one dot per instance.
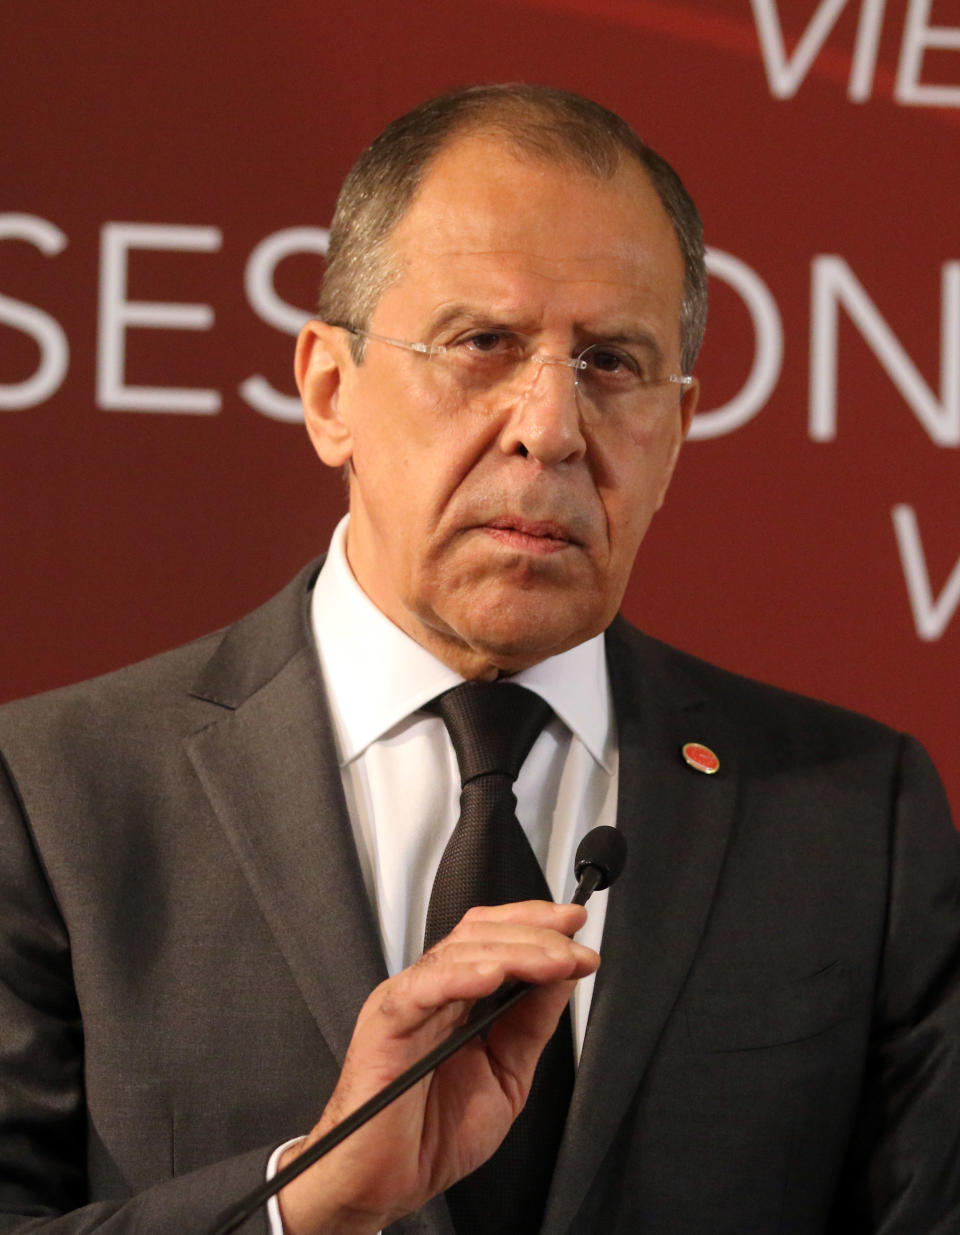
(513, 645)
(510, 628)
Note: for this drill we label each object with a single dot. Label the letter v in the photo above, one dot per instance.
(785, 75)
(930, 616)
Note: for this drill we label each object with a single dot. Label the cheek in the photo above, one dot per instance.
(408, 477)
(631, 478)
(388, 453)
(416, 429)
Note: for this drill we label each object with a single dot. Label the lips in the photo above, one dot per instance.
(531, 535)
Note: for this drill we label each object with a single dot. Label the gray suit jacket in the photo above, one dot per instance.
(774, 1044)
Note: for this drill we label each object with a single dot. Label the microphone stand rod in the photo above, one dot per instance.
(484, 1013)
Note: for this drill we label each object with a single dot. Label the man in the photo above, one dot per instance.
(211, 860)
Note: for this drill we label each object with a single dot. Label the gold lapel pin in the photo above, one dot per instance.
(700, 757)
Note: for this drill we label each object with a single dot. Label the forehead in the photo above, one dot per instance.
(552, 237)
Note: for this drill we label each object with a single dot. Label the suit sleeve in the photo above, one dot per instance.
(43, 1120)
(903, 1173)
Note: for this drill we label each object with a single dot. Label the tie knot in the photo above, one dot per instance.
(492, 726)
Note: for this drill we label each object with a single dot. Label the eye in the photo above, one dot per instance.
(611, 364)
(487, 341)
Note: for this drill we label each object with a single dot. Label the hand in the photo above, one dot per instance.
(450, 1122)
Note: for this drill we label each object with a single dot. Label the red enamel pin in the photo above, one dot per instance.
(700, 757)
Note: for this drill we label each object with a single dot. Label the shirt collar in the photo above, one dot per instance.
(376, 675)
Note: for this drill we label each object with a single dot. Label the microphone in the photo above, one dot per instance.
(599, 860)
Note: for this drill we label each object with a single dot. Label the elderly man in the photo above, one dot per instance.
(220, 868)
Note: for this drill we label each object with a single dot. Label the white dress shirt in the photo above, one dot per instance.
(400, 773)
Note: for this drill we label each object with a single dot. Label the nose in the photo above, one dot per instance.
(545, 422)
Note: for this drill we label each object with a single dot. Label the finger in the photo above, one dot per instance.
(512, 943)
(567, 919)
(440, 988)
(475, 927)
(519, 1035)
(526, 953)
(505, 950)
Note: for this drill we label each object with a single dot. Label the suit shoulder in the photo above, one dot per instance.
(757, 708)
(134, 690)
(174, 688)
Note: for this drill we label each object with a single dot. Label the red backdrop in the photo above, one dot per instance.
(189, 154)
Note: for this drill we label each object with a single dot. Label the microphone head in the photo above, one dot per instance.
(605, 849)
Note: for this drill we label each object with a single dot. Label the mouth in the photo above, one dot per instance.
(529, 536)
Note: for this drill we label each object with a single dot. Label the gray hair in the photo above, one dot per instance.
(538, 121)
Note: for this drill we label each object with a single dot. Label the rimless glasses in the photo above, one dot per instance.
(607, 377)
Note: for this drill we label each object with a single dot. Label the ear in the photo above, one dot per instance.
(688, 405)
(320, 365)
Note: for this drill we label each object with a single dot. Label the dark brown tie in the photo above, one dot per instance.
(488, 861)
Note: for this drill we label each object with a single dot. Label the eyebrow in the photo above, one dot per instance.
(637, 338)
(465, 312)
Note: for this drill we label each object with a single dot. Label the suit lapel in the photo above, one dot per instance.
(676, 821)
(268, 764)
(269, 767)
